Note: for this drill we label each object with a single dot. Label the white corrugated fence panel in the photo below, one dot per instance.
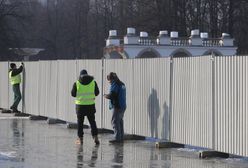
(31, 87)
(48, 87)
(66, 78)
(124, 70)
(94, 68)
(192, 101)
(4, 85)
(151, 86)
(52, 97)
(44, 78)
(231, 99)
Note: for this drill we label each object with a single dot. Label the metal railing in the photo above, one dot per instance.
(212, 42)
(147, 41)
(181, 41)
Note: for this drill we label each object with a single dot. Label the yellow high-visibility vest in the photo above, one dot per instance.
(14, 79)
(85, 93)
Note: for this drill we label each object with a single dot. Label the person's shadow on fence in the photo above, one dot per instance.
(153, 113)
(166, 123)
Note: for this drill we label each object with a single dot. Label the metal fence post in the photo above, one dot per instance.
(213, 99)
(23, 89)
(8, 85)
(102, 83)
(170, 96)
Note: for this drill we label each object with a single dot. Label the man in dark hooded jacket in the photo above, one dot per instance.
(85, 90)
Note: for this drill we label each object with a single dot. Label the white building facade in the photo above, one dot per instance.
(166, 45)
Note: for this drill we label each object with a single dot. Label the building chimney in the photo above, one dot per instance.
(130, 31)
(195, 33)
(143, 34)
(195, 37)
(163, 38)
(131, 37)
(174, 34)
(113, 39)
(227, 40)
(204, 35)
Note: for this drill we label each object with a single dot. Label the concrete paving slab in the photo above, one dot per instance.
(212, 154)
(70, 125)
(32, 117)
(105, 131)
(162, 144)
(21, 114)
(55, 121)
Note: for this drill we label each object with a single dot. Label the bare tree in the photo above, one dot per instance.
(78, 28)
(8, 32)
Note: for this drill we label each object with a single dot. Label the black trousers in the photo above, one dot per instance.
(90, 114)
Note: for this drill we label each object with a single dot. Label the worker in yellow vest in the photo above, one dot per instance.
(15, 80)
(85, 90)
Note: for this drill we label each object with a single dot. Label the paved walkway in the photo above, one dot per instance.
(35, 144)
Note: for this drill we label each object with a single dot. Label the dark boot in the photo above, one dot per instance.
(96, 140)
(15, 110)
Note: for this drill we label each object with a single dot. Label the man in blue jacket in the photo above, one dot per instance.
(117, 97)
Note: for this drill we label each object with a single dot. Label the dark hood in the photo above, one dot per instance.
(85, 79)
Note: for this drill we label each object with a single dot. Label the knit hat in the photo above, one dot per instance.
(83, 72)
(12, 65)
